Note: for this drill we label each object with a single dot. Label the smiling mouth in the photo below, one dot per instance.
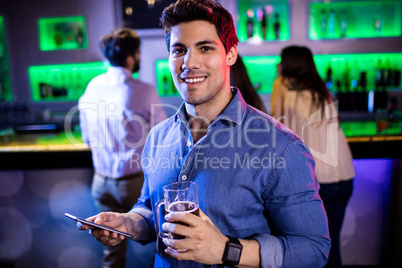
(194, 80)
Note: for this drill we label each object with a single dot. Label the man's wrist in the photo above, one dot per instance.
(232, 253)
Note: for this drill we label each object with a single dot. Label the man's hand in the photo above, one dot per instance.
(204, 243)
(110, 219)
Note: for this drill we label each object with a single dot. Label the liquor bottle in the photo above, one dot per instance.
(264, 23)
(344, 23)
(379, 75)
(363, 99)
(387, 73)
(1, 50)
(331, 23)
(323, 22)
(165, 86)
(80, 37)
(348, 104)
(378, 20)
(277, 26)
(250, 23)
(354, 76)
(329, 81)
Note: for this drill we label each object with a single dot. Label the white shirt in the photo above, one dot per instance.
(116, 113)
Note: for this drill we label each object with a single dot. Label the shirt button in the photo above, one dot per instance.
(189, 143)
(184, 177)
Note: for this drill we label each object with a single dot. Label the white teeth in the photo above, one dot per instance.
(194, 80)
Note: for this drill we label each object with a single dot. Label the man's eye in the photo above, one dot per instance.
(205, 48)
(177, 50)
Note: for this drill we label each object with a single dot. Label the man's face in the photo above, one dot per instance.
(198, 61)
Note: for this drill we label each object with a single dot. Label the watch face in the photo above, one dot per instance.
(234, 253)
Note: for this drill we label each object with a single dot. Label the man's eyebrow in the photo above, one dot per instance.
(200, 43)
(206, 42)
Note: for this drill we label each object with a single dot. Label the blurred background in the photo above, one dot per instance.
(49, 52)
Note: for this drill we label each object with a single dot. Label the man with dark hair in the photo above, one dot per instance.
(116, 112)
(258, 195)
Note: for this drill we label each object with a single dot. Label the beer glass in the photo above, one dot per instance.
(177, 197)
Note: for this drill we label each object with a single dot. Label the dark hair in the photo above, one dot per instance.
(298, 67)
(207, 10)
(119, 44)
(240, 79)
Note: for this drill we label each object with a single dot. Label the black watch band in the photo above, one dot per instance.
(232, 253)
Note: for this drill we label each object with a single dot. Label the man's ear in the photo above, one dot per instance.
(130, 61)
(231, 56)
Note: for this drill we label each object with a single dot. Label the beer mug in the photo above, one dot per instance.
(177, 197)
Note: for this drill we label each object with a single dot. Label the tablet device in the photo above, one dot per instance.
(96, 225)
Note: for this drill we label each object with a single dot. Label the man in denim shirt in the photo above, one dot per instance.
(258, 192)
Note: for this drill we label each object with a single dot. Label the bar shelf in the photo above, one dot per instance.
(354, 19)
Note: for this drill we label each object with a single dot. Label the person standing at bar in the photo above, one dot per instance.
(304, 104)
(239, 78)
(116, 113)
(251, 214)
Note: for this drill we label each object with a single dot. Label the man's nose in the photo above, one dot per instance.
(191, 61)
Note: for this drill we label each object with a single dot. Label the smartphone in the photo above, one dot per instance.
(96, 225)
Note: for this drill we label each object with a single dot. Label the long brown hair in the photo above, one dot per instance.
(240, 79)
(300, 73)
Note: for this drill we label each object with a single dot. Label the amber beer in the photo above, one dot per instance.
(178, 197)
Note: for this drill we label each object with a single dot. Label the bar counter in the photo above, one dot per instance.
(66, 150)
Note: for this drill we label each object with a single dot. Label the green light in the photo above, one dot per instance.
(355, 19)
(62, 33)
(273, 12)
(63, 82)
(164, 79)
(354, 64)
(5, 81)
(262, 71)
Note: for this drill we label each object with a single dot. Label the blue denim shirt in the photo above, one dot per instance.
(255, 180)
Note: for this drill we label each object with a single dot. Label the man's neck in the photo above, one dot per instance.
(200, 117)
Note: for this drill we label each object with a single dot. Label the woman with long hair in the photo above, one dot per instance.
(303, 103)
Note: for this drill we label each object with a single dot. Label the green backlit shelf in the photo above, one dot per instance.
(347, 69)
(5, 81)
(355, 19)
(62, 33)
(260, 20)
(346, 72)
(369, 128)
(164, 79)
(63, 82)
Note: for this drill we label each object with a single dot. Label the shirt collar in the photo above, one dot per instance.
(119, 69)
(234, 112)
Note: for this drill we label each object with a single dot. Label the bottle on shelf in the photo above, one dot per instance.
(165, 86)
(263, 23)
(378, 20)
(363, 98)
(344, 23)
(379, 75)
(387, 73)
(277, 26)
(331, 24)
(354, 76)
(329, 80)
(323, 22)
(1, 50)
(250, 23)
(80, 37)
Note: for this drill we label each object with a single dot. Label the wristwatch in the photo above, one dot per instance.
(232, 253)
